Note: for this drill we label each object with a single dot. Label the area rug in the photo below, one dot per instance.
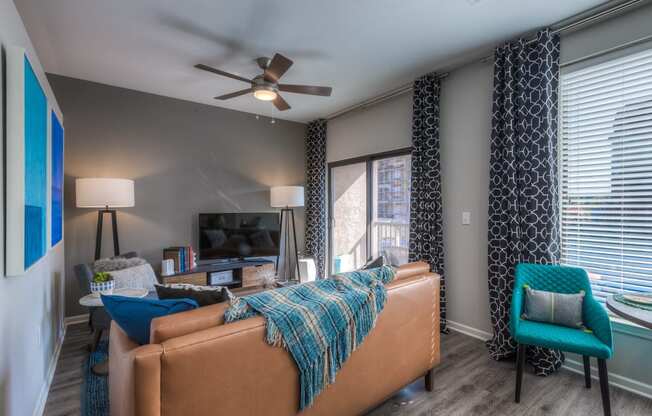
(95, 391)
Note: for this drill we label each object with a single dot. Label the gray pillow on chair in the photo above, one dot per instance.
(554, 308)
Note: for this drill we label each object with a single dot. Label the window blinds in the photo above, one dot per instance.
(606, 173)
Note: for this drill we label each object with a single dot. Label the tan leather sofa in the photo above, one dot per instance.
(197, 365)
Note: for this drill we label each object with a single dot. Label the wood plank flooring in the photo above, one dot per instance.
(64, 398)
(467, 382)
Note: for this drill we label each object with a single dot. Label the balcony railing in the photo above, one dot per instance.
(390, 237)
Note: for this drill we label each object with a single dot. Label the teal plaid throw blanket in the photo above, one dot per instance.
(320, 323)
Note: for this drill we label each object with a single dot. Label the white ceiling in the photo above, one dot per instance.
(359, 47)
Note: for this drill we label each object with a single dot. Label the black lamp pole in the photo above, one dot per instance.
(98, 237)
(284, 213)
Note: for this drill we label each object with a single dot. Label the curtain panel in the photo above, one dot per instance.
(316, 194)
(523, 180)
(426, 232)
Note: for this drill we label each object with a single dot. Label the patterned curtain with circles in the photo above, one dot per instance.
(426, 232)
(316, 194)
(523, 180)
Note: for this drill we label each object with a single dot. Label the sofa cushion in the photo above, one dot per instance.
(134, 315)
(203, 295)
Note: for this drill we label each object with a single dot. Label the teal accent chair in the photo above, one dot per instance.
(595, 341)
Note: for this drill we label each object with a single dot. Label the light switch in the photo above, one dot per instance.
(466, 217)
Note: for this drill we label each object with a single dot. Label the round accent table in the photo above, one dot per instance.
(638, 316)
(91, 300)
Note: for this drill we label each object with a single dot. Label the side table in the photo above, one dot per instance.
(91, 300)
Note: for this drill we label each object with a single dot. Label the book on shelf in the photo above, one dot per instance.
(183, 256)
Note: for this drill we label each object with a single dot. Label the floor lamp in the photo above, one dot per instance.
(286, 198)
(105, 194)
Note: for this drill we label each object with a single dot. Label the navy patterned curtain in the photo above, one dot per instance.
(523, 183)
(316, 194)
(426, 233)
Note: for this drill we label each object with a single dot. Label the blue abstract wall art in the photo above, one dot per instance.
(29, 165)
(56, 208)
(36, 175)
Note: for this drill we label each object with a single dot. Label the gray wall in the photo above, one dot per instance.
(380, 128)
(465, 111)
(465, 130)
(185, 158)
(31, 306)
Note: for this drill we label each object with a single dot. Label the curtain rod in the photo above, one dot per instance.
(588, 17)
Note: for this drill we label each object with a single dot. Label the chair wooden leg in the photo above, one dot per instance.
(430, 380)
(587, 371)
(520, 363)
(604, 386)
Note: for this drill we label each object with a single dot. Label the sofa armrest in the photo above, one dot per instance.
(416, 268)
(135, 376)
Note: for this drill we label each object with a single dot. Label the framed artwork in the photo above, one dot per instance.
(27, 165)
(56, 179)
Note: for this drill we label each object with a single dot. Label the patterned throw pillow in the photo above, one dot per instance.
(554, 308)
(203, 295)
(116, 263)
(136, 277)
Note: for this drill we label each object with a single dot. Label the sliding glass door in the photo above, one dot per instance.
(369, 206)
(348, 217)
(390, 226)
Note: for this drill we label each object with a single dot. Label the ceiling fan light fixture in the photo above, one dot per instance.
(265, 94)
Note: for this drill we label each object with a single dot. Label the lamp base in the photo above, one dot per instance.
(98, 237)
(288, 259)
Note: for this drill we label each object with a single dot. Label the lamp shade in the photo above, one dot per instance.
(286, 196)
(104, 192)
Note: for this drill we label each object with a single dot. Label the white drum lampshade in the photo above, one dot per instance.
(104, 192)
(286, 196)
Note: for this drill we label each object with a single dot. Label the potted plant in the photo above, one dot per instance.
(102, 284)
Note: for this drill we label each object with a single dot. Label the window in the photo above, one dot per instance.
(369, 205)
(606, 178)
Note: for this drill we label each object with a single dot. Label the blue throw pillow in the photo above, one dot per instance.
(134, 315)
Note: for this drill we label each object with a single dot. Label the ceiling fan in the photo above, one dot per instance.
(266, 86)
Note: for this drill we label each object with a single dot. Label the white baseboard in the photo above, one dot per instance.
(45, 390)
(615, 380)
(468, 330)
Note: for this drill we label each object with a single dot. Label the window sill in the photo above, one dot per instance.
(624, 326)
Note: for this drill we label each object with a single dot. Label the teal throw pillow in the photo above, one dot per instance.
(134, 315)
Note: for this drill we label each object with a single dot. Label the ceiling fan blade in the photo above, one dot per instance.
(219, 72)
(277, 67)
(234, 94)
(280, 103)
(306, 89)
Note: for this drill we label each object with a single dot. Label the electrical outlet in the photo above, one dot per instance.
(466, 217)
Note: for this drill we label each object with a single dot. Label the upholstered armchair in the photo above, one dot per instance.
(594, 341)
(98, 319)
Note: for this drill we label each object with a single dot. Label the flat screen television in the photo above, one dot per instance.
(238, 235)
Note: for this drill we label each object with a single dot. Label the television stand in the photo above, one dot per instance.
(245, 273)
